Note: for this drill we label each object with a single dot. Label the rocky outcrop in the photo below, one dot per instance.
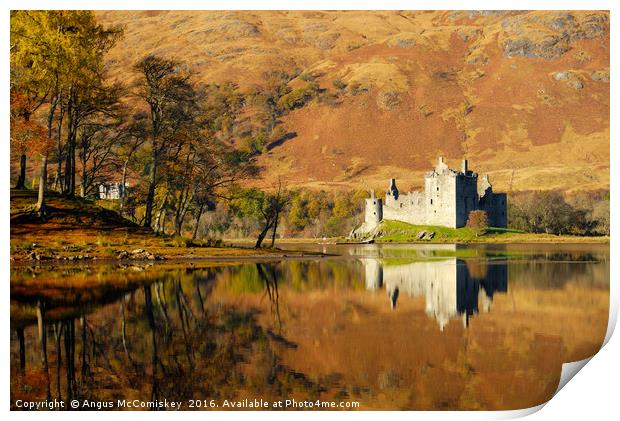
(600, 75)
(388, 100)
(572, 79)
(138, 254)
(549, 36)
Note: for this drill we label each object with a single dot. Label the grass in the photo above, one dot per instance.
(402, 232)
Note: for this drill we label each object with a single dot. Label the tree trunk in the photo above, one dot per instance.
(200, 210)
(58, 182)
(150, 196)
(180, 220)
(21, 180)
(84, 177)
(69, 169)
(275, 228)
(58, 185)
(163, 222)
(263, 234)
(71, 139)
(161, 212)
(41, 208)
(123, 183)
(67, 176)
(72, 190)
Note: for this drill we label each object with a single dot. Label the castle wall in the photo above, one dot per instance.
(440, 194)
(434, 206)
(408, 208)
(496, 207)
(466, 197)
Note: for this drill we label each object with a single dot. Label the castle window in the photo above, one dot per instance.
(431, 201)
(401, 205)
(437, 188)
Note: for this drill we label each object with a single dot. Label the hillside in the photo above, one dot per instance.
(523, 95)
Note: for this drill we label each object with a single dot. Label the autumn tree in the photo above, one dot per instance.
(217, 169)
(58, 55)
(166, 90)
(265, 207)
(478, 221)
(26, 135)
(542, 211)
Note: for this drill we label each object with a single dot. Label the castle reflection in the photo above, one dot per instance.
(452, 288)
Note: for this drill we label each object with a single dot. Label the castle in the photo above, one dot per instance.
(448, 198)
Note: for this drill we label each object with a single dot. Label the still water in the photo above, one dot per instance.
(389, 327)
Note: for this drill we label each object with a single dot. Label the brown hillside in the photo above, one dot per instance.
(523, 95)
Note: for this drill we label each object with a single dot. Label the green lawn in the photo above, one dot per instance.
(402, 232)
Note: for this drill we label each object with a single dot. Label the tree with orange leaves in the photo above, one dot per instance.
(27, 136)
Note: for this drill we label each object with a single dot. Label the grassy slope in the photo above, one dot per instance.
(402, 232)
(79, 227)
(525, 128)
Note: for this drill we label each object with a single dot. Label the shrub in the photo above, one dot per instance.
(297, 98)
(307, 77)
(356, 88)
(388, 100)
(478, 222)
(339, 84)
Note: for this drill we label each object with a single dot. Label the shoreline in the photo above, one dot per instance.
(547, 239)
(235, 250)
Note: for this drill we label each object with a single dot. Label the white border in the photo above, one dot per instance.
(593, 394)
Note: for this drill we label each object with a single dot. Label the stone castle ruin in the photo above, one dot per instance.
(448, 198)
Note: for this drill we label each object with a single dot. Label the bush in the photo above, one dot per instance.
(356, 88)
(297, 98)
(307, 77)
(339, 84)
(388, 100)
(478, 222)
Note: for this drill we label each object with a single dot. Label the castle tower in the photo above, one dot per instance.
(373, 211)
(393, 190)
(441, 165)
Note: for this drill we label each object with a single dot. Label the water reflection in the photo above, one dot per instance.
(451, 288)
(309, 329)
